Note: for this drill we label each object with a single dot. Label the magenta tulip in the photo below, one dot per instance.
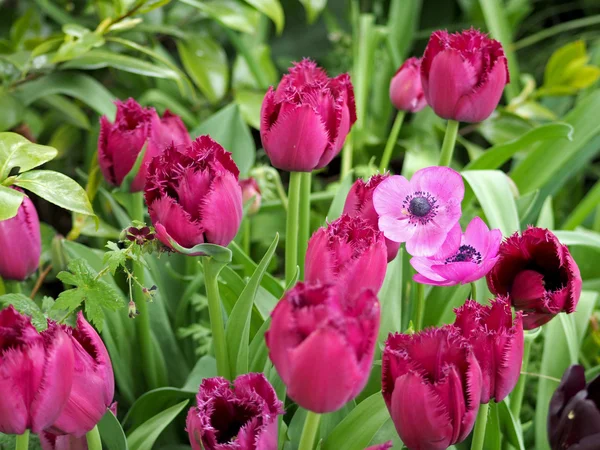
(240, 418)
(120, 143)
(20, 243)
(497, 341)
(251, 191)
(406, 92)
(322, 344)
(539, 274)
(463, 75)
(359, 203)
(36, 373)
(305, 121)
(431, 384)
(193, 195)
(347, 252)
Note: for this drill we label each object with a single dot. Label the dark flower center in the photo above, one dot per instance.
(228, 418)
(465, 253)
(419, 206)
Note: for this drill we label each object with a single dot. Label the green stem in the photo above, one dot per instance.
(583, 209)
(291, 234)
(304, 222)
(480, 424)
(252, 63)
(22, 442)
(448, 144)
(13, 287)
(246, 235)
(347, 157)
(211, 274)
(473, 291)
(516, 398)
(93, 439)
(391, 142)
(310, 430)
(420, 307)
(548, 32)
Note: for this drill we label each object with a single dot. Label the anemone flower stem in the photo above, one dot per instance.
(420, 307)
(449, 142)
(93, 439)
(291, 234)
(304, 222)
(212, 269)
(516, 398)
(22, 442)
(480, 424)
(473, 291)
(391, 142)
(309, 432)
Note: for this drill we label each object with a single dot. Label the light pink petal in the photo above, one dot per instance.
(451, 244)
(494, 241)
(222, 210)
(427, 239)
(423, 267)
(459, 272)
(170, 219)
(444, 183)
(477, 235)
(388, 197)
(418, 278)
(396, 230)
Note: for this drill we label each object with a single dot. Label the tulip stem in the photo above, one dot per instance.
(391, 142)
(480, 424)
(22, 442)
(13, 287)
(309, 432)
(304, 222)
(516, 398)
(291, 234)
(93, 439)
(473, 291)
(420, 307)
(212, 269)
(449, 142)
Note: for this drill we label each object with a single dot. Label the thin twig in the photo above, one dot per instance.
(40, 280)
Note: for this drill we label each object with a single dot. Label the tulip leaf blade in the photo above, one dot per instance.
(145, 436)
(26, 306)
(390, 298)
(10, 201)
(218, 253)
(269, 282)
(111, 432)
(153, 402)
(16, 151)
(337, 204)
(511, 428)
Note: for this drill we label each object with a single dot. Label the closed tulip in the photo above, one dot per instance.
(242, 417)
(120, 142)
(21, 243)
(463, 75)
(251, 191)
(431, 384)
(193, 195)
(36, 373)
(539, 274)
(305, 121)
(322, 344)
(347, 252)
(406, 91)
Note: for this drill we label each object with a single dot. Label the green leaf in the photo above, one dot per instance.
(206, 367)
(579, 237)
(560, 60)
(272, 9)
(16, 151)
(250, 103)
(337, 204)
(152, 403)
(69, 110)
(313, 8)
(390, 298)
(111, 432)
(114, 258)
(26, 306)
(221, 254)
(269, 282)
(440, 303)
(493, 438)
(56, 188)
(229, 13)
(145, 436)
(76, 46)
(10, 201)
(511, 428)
(237, 332)
(11, 111)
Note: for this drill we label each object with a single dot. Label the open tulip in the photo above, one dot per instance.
(497, 342)
(539, 274)
(193, 195)
(322, 345)
(359, 203)
(463, 75)
(406, 92)
(240, 418)
(251, 191)
(347, 252)
(431, 384)
(120, 143)
(36, 373)
(305, 121)
(21, 243)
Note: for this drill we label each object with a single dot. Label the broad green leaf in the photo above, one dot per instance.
(26, 306)
(390, 298)
(243, 78)
(560, 60)
(206, 367)
(272, 9)
(161, 100)
(525, 203)
(440, 303)
(16, 151)
(259, 353)
(250, 104)
(229, 13)
(221, 254)
(579, 237)
(10, 200)
(76, 46)
(69, 110)
(313, 8)
(111, 432)
(493, 438)
(567, 70)
(337, 204)
(11, 111)
(269, 282)
(511, 428)
(145, 436)
(152, 403)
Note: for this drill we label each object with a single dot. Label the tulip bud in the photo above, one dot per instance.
(574, 413)
(120, 143)
(359, 203)
(463, 75)
(406, 92)
(305, 121)
(36, 373)
(243, 417)
(539, 274)
(349, 253)
(431, 384)
(322, 345)
(497, 342)
(193, 195)
(21, 243)
(251, 191)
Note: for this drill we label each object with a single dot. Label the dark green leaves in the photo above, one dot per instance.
(16, 151)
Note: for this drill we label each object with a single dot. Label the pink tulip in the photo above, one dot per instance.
(193, 195)
(120, 143)
(240, 418)
(463, 258)
(305, 121)
(322, 345)
(251, 191)
(359, 203)
(406, 92)
(349, 253)
(463, 75)
(431, 384)
(20, 243)
(36, 373)
(497, 341)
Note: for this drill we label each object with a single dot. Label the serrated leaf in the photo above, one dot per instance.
(26, 306)
(115, 258)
